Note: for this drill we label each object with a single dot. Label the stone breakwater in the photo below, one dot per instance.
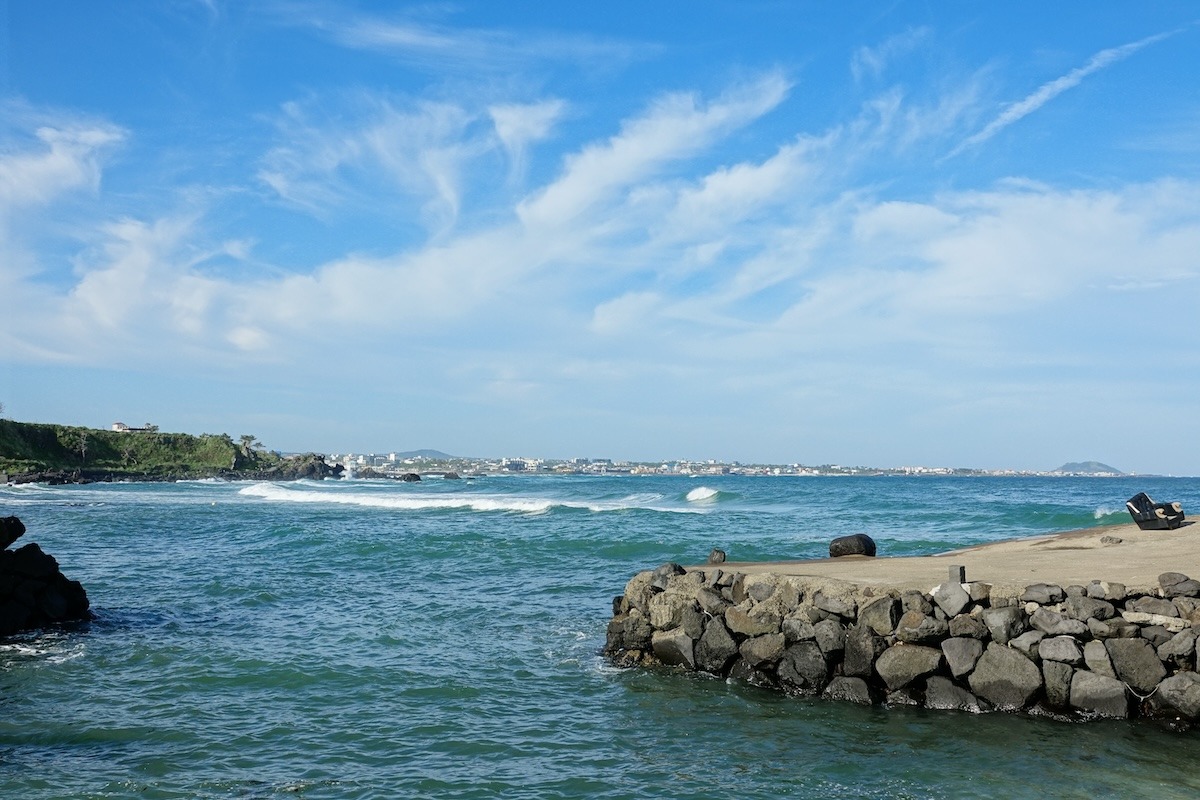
(1079, 652)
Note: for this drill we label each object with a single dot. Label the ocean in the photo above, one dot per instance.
(371, 639)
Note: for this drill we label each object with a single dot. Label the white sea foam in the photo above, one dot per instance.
(1104, 511)
(432, 502)
(702, 494)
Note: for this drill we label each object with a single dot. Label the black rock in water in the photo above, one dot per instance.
(33, 591)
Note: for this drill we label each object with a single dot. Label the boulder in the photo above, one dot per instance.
(630, 631)
(858, 544)
(831, 638)
(797, 628)
(849, 689)
(941, 693)
(1176, 584)
(1179, 694)
(667, 609)
(1095, 656)
(763, 651)
(862, 649)
(1065, 649)
(880, 615)
(1099, 695)
(917, 628)
(912, 600)
(1153, 605)
(1027, 644)
(1004, 623)
(1157, 635)
(802, 668)
(1173, 624)
(842, 605)
(715, 649)
(661, 575)
(1084, 608)
(1180, 649)
(1052, 623)
(716, 556)
(711, 602)
(901, 664)
(968, 625)
(1136, 663)
(1005, 678)
(674, 648)
(749, 623)
(961, 654)
(1056, 677)
(951, 598)
(1044, 594)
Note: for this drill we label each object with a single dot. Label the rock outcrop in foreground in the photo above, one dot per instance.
(33, 592)
(1083, 652)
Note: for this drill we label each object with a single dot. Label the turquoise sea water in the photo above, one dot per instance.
(360, 639)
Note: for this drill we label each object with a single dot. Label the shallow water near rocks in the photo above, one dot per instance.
(361, 639)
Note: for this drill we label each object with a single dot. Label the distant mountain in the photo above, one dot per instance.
(1089, 468)
(436, 455)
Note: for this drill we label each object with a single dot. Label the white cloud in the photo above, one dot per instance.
(519, 125)
(66, 157)
(676, 127)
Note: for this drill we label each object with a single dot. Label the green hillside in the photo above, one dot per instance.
(28, 449)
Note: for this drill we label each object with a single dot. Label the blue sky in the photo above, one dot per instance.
(949, 234)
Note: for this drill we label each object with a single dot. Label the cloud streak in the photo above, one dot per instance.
(1052, 89)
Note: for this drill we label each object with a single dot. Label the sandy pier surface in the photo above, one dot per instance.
(1118, 553)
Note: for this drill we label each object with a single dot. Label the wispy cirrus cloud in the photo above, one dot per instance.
(873, 61)
(448, 47)
(1052, 89)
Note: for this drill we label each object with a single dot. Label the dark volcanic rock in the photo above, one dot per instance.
(1004, 623)
(854, 690)
(858, 544)
(11, 529)
(803, 668)
(1099, 695)
(716, 648)
(1179, 694)
(33, 592)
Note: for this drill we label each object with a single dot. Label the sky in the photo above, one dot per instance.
(912, 233)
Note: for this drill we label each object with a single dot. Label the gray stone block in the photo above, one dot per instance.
(715, 649)
(1005, 678)
(961, 654)
(880, 615)
(849, 689)
(674, 648)
(951, 598)
(1176, 584)
(802, 668)
(1004, 623)
(1052, 623)
(763, 651)
(1061, 648)
(1136, 663)
(901, 664)
(1179, 694)
(941, 693)
(1095, 656)
(1099, 695)
(1027, 644)
(968, 625)
(1044, 594)
(1153, 605)
(1057, 679)
(917, 628)
(862, 648)
(831, 638)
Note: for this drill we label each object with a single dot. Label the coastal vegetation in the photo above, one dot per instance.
(61, 453)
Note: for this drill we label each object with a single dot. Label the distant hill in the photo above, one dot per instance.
(1089, 468)
(435, 455)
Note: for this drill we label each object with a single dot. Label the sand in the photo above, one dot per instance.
(1075, 557)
